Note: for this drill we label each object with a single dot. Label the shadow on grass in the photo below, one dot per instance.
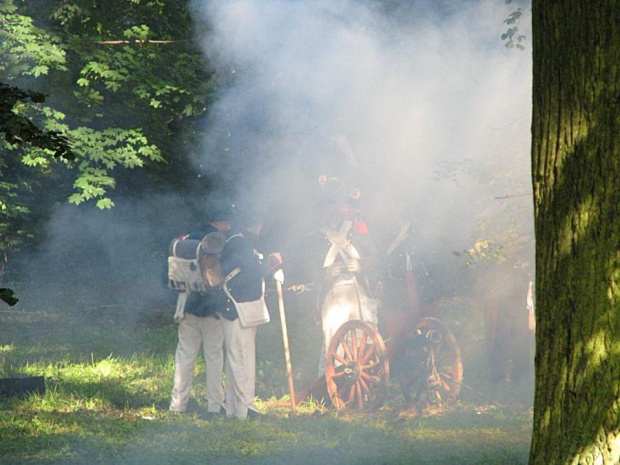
(128, 437)
(331, 439)
(111, 393)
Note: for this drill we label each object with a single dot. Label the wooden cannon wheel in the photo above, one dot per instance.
(438, 376)
(357, 370)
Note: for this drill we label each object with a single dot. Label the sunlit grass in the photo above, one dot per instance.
(108, 387)
(6, 348)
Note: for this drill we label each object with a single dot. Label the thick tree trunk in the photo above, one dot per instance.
(576, 177)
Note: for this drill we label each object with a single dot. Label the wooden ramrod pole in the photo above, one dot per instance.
(287, 352)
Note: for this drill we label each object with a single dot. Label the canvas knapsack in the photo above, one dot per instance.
(194, 265)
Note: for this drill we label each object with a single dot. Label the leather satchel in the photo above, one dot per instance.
(254, 313)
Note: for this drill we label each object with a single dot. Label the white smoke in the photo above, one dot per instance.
(418, 103)
(312, 83)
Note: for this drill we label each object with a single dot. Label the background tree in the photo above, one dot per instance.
(496, 268)
(124, 85)
(575, 169)
(20, 130)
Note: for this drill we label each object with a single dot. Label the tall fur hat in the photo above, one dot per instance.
(335, 190)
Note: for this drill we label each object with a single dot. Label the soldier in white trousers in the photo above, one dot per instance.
(240, 369)
(200, 324)
(195, 331)
(244, 286)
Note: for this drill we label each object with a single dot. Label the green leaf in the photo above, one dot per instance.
(39, 70)
(104, 204)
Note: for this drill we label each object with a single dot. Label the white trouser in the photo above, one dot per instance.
(240, 368)
(194, 331)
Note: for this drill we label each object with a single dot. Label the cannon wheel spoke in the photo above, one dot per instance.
(357, 370)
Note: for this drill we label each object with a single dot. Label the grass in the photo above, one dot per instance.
(108, 380)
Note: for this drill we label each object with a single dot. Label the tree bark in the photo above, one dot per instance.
(576, 180)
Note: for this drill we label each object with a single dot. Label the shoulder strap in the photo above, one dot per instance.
(228, 277)
(340, 244)
(232, 274)
(234, 235)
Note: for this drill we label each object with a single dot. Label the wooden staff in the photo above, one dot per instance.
(287, 352)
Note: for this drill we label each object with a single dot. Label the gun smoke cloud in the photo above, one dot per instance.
(418, 104)
(381, 97)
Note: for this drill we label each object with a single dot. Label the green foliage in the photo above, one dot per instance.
(19, 130)
(512, 37)
(99, 153)
(500, 232)
(123, 88)
(25, 49)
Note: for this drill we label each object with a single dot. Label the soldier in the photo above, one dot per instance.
(349, 263)
(243, 311)
(199, 325)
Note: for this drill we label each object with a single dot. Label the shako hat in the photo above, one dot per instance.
(220, 212)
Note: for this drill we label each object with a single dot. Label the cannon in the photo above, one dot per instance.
(415, 349)
(426, 363)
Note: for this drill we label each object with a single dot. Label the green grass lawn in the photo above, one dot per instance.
(108, 374)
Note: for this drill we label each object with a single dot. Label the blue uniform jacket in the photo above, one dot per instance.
(247, 286)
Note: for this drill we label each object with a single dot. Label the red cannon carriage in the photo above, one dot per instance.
(414, 348)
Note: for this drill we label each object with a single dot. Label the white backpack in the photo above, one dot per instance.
(194, 265)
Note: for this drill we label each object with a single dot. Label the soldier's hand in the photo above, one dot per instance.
(353, 265)
(334, 270)
(279, 276)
